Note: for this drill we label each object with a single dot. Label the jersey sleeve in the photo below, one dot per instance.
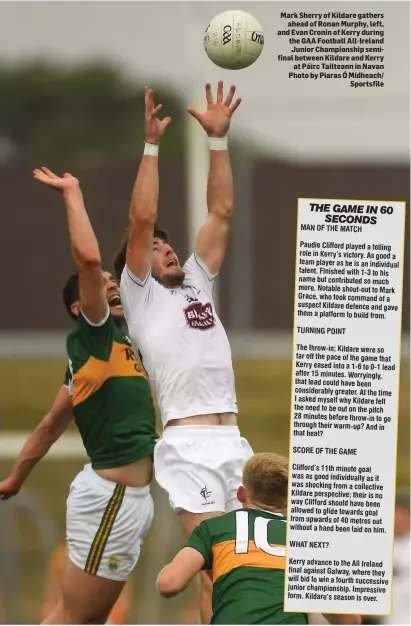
(97, 338)
(67, 377)
(198, 275)
(135, 294)
(200, 540)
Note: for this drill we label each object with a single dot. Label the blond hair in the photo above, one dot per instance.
(265, 478)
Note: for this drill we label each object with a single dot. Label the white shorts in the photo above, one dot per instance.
(106, 523)
(201, 467)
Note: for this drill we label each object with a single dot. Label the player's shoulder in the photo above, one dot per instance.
(197, 274)
(270, 515)
(120, 337)
(85, 326)
(76, 354)
(145, 290)
(87, 336)
(72, 337)
(194, 264)
(221, 528)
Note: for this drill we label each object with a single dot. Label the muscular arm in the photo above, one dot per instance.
(84, 246)
(143, 215)
(176, 576)
(143, 208)
(51, 427)
(86, 255)
(213, 237)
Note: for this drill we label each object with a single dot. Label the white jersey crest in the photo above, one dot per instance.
(181, 342)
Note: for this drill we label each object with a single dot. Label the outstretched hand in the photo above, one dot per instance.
(155, 128)
(64, 183)
(216, 120)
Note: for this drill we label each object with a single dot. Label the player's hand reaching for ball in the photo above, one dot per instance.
(216, 120)
(155, 128)
(66, 183)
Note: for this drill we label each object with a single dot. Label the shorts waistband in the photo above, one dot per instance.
(231, 432)
(109, 485)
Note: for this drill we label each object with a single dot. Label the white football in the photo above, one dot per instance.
(233, 40)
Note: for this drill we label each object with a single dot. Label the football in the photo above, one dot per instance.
(233, 40)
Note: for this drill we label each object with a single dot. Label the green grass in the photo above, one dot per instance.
(263, 387)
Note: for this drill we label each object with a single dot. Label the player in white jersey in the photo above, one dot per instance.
(183, 346)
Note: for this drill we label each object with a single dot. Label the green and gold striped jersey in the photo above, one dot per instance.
(112, 402)
(244, 553)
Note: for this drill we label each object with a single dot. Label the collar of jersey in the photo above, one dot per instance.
(254, 508)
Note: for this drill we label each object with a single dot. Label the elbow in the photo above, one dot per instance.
(227, 212)
(224, 212)
(49, 428)
(167, 584)
(88, 260)
(143, 219)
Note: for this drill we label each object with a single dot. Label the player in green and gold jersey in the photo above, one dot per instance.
(244, 553)
(109, 509)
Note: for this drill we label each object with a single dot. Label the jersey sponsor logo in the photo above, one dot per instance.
(140, 356)
(200, 316)
(130, 356)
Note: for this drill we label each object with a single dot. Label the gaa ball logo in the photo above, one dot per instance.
(233, 40)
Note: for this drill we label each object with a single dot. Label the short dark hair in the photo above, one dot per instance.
(71, 294)
(119, 260)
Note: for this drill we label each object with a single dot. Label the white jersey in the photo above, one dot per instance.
(181, 342)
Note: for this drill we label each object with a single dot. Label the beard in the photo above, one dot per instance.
(175, 280)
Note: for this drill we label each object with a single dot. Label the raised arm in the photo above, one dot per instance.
(51, 427)
(213, 236)
(144, 200)
(177, 575)
(84, 245)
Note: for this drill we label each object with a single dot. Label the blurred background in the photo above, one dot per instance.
(71, 97)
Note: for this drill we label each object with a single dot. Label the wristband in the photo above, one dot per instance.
(151, 149)
(218, 143)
